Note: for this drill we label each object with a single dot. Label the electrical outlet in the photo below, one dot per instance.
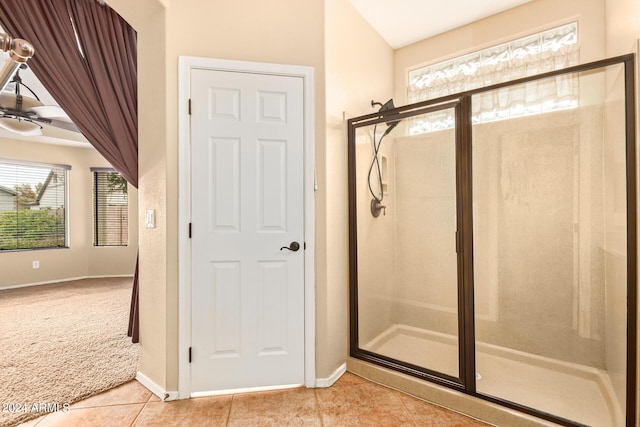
(36, 264)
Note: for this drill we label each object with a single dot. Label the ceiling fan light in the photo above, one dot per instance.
(21, 127)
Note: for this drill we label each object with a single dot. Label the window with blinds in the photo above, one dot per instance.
(110, 209)
(33, 205)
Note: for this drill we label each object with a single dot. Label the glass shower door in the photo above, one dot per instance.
(407, 269)
(493, 243)
(550, 249)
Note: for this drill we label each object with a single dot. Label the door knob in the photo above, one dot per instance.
(293, 247)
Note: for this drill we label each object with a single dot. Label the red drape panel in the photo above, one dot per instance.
(86, 58)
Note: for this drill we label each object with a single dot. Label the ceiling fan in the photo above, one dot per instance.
(22, 114)
(25, 115)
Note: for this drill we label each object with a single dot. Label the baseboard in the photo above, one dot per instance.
(154, 388)
(68, 279)
(244, 390)
(331, 379)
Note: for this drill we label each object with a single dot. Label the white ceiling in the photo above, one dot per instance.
(403, 22)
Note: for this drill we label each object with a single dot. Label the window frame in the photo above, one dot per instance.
(65, 169)
(95, 173)
(530, 52)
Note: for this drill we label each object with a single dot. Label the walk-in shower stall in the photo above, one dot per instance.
(493, 242)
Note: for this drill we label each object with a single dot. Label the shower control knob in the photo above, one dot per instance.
(376, 207)
(293, 247)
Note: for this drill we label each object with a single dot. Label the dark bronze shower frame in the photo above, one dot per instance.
(461, 102)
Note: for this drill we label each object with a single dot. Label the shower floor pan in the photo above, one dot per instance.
(576, 392)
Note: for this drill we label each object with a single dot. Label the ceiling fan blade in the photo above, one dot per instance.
(60, 124)
(48, 111)
(8, 101)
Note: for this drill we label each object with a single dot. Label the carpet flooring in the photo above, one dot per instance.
(60, 343)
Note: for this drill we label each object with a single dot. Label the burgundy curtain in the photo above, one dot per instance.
(86, 58)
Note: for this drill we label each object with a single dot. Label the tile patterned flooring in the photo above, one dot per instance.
(351, 401)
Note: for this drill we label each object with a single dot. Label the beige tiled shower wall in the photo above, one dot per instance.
(539, 233)
(376, 240)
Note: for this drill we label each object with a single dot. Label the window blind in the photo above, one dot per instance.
(111, 208)
(33, 205)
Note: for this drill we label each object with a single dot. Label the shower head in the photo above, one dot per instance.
(385, 107)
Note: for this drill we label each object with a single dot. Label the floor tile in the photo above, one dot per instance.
(31, 423)
(350, 379)
(202, 411)
(295, 407)
(362, 405)
(351, 401)
(427, 414)
(104, 416)
(130, 392)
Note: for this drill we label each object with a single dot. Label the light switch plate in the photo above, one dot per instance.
(150, 218)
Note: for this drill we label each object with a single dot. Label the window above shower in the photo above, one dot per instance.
(549, 50)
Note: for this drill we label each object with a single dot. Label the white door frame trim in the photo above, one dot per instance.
(185, 65)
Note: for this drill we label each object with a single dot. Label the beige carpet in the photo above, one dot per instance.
(60, 343)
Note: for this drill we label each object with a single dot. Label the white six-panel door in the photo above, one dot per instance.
(247, 201)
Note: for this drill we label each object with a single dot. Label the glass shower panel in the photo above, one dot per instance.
(407, 261)
(549, 217)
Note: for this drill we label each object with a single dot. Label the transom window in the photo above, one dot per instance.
(33, 205)
(110, 208)
(549, 50)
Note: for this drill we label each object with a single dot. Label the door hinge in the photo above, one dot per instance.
(189, 354)
(305, 246)
(189, 230)
(189, 106)
(457, 242)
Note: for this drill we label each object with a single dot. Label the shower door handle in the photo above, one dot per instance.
(293, 247)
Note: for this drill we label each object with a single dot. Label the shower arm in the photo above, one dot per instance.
(20, 51)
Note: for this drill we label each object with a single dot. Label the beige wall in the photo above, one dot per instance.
(81, 259)
(359, 66)
(622, 23)
(285, 31)
(622, 20)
